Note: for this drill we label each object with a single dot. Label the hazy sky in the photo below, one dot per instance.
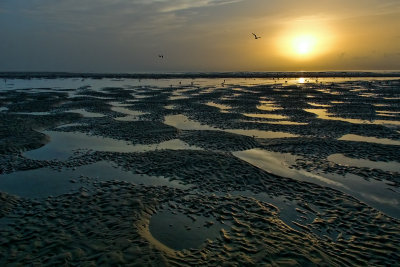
(199, 35)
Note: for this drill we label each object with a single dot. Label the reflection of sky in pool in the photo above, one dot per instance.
(375, 193)
(184, 123)
(228, 94)
(63, 144)
(44, 182)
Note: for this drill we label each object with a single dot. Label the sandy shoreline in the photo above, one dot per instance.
(132, 174)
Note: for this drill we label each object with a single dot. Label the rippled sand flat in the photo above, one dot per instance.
(197, 171)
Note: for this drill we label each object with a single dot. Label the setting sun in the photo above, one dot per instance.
(304, 41)
(304, 44)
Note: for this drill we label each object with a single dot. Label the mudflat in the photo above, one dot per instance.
(200, 171)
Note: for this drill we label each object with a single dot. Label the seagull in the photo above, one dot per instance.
(255, 36)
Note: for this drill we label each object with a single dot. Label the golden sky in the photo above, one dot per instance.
(199, 35)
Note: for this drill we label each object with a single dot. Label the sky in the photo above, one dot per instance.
(199, 35)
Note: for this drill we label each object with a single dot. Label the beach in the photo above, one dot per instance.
(200, 170)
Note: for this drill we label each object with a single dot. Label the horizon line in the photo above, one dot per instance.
(212, 74)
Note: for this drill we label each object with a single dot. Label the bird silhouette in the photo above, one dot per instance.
(255, 36)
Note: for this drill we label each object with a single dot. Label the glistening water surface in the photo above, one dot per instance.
(295, 171)
(44, 182)
(375, 193)
(179, 231)
(369, 139)
(62, 145)
(184, 123)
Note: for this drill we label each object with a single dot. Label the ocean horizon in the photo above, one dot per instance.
(228, 74)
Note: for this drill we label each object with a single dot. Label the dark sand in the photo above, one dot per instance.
(199, 172)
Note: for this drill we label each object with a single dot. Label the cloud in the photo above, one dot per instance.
(179, 5)
(91, 7)
(115, 17)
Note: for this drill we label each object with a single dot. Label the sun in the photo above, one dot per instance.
(305, 41)
(303, 45)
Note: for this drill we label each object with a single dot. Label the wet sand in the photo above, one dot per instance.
(199, 171)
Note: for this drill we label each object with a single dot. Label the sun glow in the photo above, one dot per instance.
(305, 40)
(304, 44)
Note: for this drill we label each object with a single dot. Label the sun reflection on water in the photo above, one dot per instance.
(301, 80)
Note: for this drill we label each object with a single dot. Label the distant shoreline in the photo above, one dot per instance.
(194, 75)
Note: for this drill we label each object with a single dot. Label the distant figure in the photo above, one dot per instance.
(161, 56)
(255, 36)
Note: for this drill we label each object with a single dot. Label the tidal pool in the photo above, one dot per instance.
(265, 116)
(323, 114)
(341, 159)
(377, 194)
(86, 114)
(369, 139)
(223, 108)
(178, 231)
(184, 123)
(130, 115)
(63, 144)
(44, 182)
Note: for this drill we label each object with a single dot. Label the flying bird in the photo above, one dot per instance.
(255, 36)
